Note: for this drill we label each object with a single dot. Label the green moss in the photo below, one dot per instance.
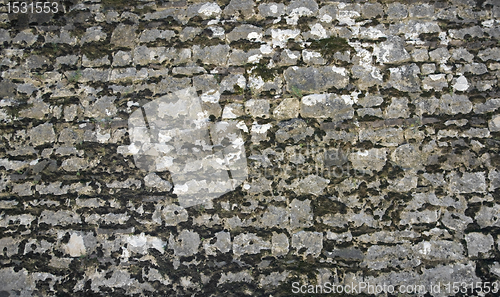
(75, 76)
(94, 52)
(238, 90)
(263, 71)
(296, 92)
(329, 46)
(116, 4)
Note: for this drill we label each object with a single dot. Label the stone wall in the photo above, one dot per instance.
(371, 133)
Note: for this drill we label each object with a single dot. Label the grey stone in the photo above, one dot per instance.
(4, 36)
(347, 254)
(311, 241)
(296, 129)
(462, 54)
(426, 106)
(241, 57)
(128, 183)
(405, 78)
(467, 183)
(488, 216)
(376, 112)
(315, 79)
(412, 29)
(397, 109)
(144, 55)
(289, 57)
(76, 164)
(204, 10)
(474, 31)
(440, 55)
(428, 68)
(215, 55)
(391, 51)
(475, 68)
(380, 257)
(327, 13)
(494, 177)
(367, 76)
(271, 10)
(205, 83)
(273, 280)
(435, 81)
(456, 221)
(42, 134)
(36, 61)
(439, 250)
(233, 111)
(67, 60)
(300, 8)
(122, 58)
(369, 160)
(61, 217)
(249, 243)
(387, 136)
(287, 109)
(25, 38)
(347, 14)
(454, 104)
(421, 11)
(408, 156)
(396, 11)
(300, 214)
(223, 244)
(405, 184)
(171, 214)
(240, 8)
(258, 108)
(479, 244)
(95, 63)
(420, 55)
(245, 31)
(186, 244)
(189, 33)
(388, 236)
(102, 108)
(421, 217)
(23, 189)
(172, 84)
(311, 185)
(370, 101)
(372, 10)
(91, 74)
(93, 34)
(326, 106)
(489, 54)
(38, 110)
(150, 35)
(188, 70)
(279, 244)
(312, 57)
(27, 89)
(154, 181)
(235, 277)
(17, 282)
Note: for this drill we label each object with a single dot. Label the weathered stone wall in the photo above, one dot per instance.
(371, 133)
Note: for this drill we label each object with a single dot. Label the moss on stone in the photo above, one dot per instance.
(329, 46)
(262, 70)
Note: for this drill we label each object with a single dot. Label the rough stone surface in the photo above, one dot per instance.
(358, 141)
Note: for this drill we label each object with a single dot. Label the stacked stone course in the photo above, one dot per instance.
(371, 130)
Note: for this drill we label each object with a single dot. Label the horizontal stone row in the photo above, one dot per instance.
(189, 243)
